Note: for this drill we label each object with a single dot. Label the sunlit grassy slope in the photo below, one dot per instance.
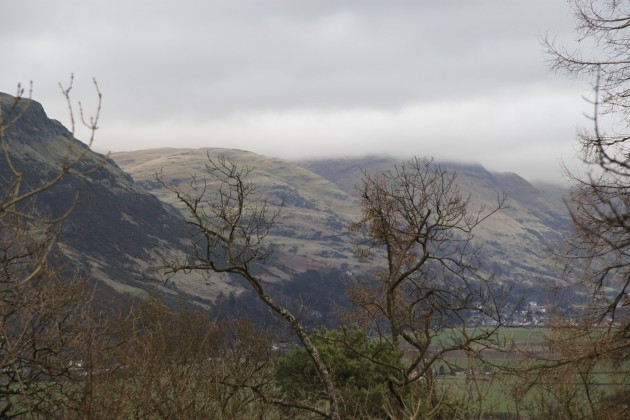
(311, 232)
(320, 201)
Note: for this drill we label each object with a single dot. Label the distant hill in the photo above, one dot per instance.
(516, 241)
(311, 231)
(321, 201)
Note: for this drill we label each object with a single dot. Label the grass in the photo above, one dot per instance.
(311, 201)
(506, 391)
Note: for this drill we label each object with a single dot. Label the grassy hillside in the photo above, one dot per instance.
(516, 241)
(321, 201)
(310, 233)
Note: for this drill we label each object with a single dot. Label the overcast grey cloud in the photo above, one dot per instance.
(458, 80)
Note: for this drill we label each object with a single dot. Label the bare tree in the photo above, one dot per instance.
(426, 287)
(600, 199)
(39, 300)
(228, 223)
(175, 363)
(566, 380)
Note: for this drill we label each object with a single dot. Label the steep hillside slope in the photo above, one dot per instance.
(116, 230)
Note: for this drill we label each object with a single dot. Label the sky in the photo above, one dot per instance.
(458, 80)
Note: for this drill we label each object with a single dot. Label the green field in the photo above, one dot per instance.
(507, 382)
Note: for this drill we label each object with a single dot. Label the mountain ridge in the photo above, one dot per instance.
(314, 229)
(125, 221)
